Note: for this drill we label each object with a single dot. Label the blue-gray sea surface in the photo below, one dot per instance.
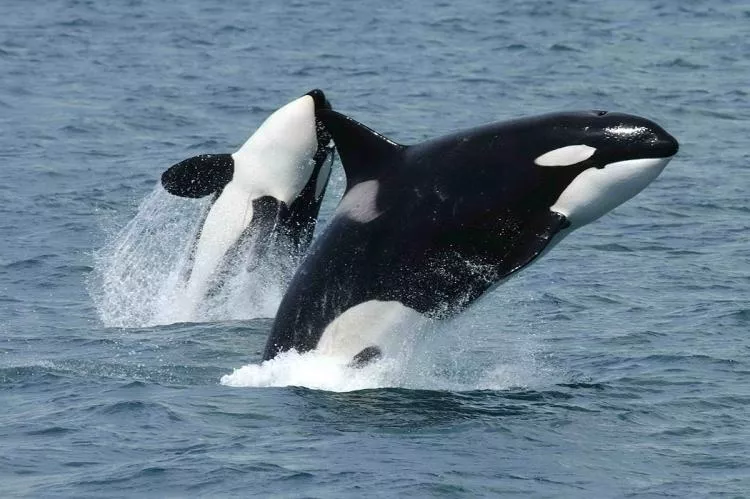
(618, 366)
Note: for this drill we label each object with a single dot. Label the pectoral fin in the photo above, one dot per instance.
(199, 176)
(532, 242)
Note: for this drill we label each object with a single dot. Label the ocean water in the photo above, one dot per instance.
(618, 366)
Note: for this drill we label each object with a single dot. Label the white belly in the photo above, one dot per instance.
(226, 221)
(383, 324)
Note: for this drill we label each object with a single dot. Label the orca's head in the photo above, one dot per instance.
(281, 157)
(599, 159)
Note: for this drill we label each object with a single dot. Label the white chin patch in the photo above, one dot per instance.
(359, 204)
(373, 323)
(566, 156)
(594, 191)
(277, 160)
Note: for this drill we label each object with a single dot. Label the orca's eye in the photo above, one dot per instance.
(600, 113)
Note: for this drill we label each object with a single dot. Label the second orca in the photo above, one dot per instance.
(270, 189)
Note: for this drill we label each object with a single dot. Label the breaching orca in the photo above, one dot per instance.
(272, 188)
(424, 230)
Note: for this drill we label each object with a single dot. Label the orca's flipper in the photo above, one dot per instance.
(199, 176)
(363, 151)
(533, 241)
(365, 357)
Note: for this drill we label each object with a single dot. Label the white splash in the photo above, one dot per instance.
(425, 364)
(139, 275)
(311, 370)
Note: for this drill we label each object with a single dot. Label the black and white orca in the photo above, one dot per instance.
(272, 188)
(424, 230)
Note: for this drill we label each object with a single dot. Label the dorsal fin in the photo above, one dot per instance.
(363, 151)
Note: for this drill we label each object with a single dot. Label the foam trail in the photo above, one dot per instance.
(139, 275)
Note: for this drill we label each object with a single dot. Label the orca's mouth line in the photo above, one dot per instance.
(639, 162)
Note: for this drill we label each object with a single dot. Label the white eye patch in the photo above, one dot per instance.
(565, 156)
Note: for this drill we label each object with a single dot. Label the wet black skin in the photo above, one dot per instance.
(457, 215)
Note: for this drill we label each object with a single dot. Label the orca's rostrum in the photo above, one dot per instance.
(424, 230)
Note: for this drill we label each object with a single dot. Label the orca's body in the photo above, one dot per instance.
(424, 230)
(270, 189)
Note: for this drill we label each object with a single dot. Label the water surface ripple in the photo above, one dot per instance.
(616, 367)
